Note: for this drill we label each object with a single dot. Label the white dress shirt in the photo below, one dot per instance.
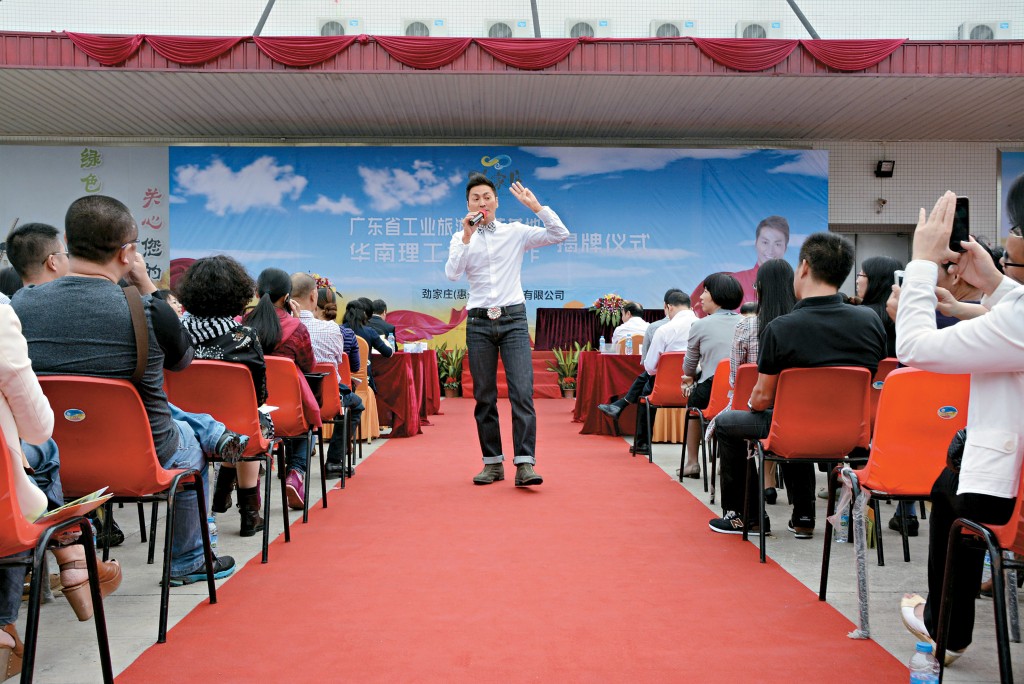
(492, 261)
(673, 336)
(634, 326)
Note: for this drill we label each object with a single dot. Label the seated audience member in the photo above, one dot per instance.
(80, 324)
(9, 282)
(749, 308)
(355, 320)
(37, 253)
(874, 284)
(172, 301)
(633, 322)
(327, 310)
(215, 290)
(821, 331)
(959, 300)
(774, 285)
(27, 422)
(709, 341)
(982, 485)
(378, 318)
(328, 347)
(282, 334)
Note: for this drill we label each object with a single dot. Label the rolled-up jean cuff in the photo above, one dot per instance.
(488, 460)
(524, 459)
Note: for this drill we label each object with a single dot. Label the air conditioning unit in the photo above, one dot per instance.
(424, 27)
(984, 30)
(588, 28)
(339, 26)
(673, 28)
(758, 28)
(507, 28)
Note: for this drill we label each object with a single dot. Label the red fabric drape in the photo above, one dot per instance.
(302, 51)
(190, 49)
(424, 53)
(746, 54)
(107, 50)
(851, 55)
(528, 53)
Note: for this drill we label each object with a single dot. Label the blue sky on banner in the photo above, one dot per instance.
(378, 220)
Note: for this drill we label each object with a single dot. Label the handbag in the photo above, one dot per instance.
(955, 452)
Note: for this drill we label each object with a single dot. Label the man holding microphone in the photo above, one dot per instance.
(490, 254)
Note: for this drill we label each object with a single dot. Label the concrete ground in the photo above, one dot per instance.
(67, 651)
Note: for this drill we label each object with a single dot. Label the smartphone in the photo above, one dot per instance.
(961, 225)
(897, 277)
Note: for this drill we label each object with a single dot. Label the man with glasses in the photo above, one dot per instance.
(37, 253)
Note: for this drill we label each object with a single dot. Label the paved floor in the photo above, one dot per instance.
(67, 651)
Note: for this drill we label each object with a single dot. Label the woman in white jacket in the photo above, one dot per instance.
(991, 349)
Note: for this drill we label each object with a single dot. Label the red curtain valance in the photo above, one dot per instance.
(746, 54)
(740, 54)
(851, 55)
(528, 53)
(302, 51)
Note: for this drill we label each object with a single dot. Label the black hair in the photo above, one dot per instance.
(670, 291)
(10, 281)
(29, 245)
(633, 308)
(96, 226)
(271, 285)
(879, 271)
(829, 256)
(677, 298)
(380, 306)
(1015, 201)
(747, 308)
(775, 296)
(355, 315)
(725, 290)
(215, 286)
(325, 296)
(476, 179)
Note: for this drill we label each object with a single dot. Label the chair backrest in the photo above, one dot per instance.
(225, 391)
(638, 340)
(746, 379)
(668, 389)
(331, 407)
(344, 370)
(102, 429)
(918, 414)
(821, 412)
(364, 354)
(285, 392)
(885, 366)
(719, 390)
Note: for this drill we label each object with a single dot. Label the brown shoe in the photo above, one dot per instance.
(492, 472)
(11, 656)
(527, 476)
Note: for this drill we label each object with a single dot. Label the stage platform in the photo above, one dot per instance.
(545, 382)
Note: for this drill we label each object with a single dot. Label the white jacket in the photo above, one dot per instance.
(991, 349)
(24, 411)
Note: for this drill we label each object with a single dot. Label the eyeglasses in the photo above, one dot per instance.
(862, 275)
(130, 243)
(65, 253)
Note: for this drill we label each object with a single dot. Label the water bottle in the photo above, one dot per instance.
(629, 346)
(923, 665)
(211, 521)
(600, 344)
(986, 571)
(391, 340)
(842, 534)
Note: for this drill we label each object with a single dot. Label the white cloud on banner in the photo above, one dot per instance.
(390, 189)
(580, 273)
(324, 204)
(652, 253)
(240, 254)
(591, 161)
(810, 163)
(262, 184)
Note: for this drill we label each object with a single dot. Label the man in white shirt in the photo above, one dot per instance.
(633, 322)
(328, 347)
(671, 337)
(490, 254)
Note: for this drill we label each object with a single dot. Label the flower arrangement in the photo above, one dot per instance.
(451, 383)
(565, 364)
(608, 309)
(322, 281)
(449, 365)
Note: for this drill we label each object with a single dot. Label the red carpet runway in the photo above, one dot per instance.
(605, 573)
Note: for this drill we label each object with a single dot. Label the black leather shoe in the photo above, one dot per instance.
(610, 410)
(912, 524)
(642, 449)
(770, 496)
(333, 470)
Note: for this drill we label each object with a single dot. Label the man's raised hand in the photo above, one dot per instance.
(524, 195)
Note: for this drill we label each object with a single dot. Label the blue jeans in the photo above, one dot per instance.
(187, 549)
(207, 429)
(336, 447)
(45, 461)
(509, 336)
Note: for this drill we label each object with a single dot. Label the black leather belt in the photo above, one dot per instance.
(496, 312)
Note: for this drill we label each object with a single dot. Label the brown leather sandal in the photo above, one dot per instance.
(79, 596)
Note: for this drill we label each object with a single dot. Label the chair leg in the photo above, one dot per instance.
(650, 434)
(323, 480)
(108, 515)
(999, 608)
(281, 465)
(640, 404)
(305, 489)
(903, 532)
(197, 486)
(761, 504)
(142, 522)
(878, 532)
(345, 445)
(266, 508)
(714, 467)
(152, 531)
(1012, 607)
(686, 432)
(924, 514)
(165, 583)
(703, 448)
(826, 549)
(98, 614)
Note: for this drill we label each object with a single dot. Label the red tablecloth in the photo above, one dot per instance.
(599, 379)
(430, 384)
(398, 393)
(561, 327)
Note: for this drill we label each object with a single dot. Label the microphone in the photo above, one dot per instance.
(477, 218)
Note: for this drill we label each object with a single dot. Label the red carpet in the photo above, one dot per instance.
(605, 573)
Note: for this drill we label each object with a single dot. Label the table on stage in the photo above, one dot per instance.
(602, 377)
(408, 391)
(561, 327)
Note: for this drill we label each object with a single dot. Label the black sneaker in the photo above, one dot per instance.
(231, 446)
(223, 566)
(733, 524)
(802, 527)
(333, 470)
(913, 526)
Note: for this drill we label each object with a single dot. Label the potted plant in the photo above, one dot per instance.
(565, 364)
(449, 368)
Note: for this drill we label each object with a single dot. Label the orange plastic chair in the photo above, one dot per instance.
(355, 432)
(225, 391)
(290, 424)
(746, 378)
(805, 428)
(918, 414)
(18, 534)
(369, 426)
(638, 340)
(997, 539)
(331, 411)
(885, 366)
(666, 393)
(105, 441)
(718, 401)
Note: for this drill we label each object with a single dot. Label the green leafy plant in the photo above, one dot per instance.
(608, 309)
(566, 363)
(449, 365)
